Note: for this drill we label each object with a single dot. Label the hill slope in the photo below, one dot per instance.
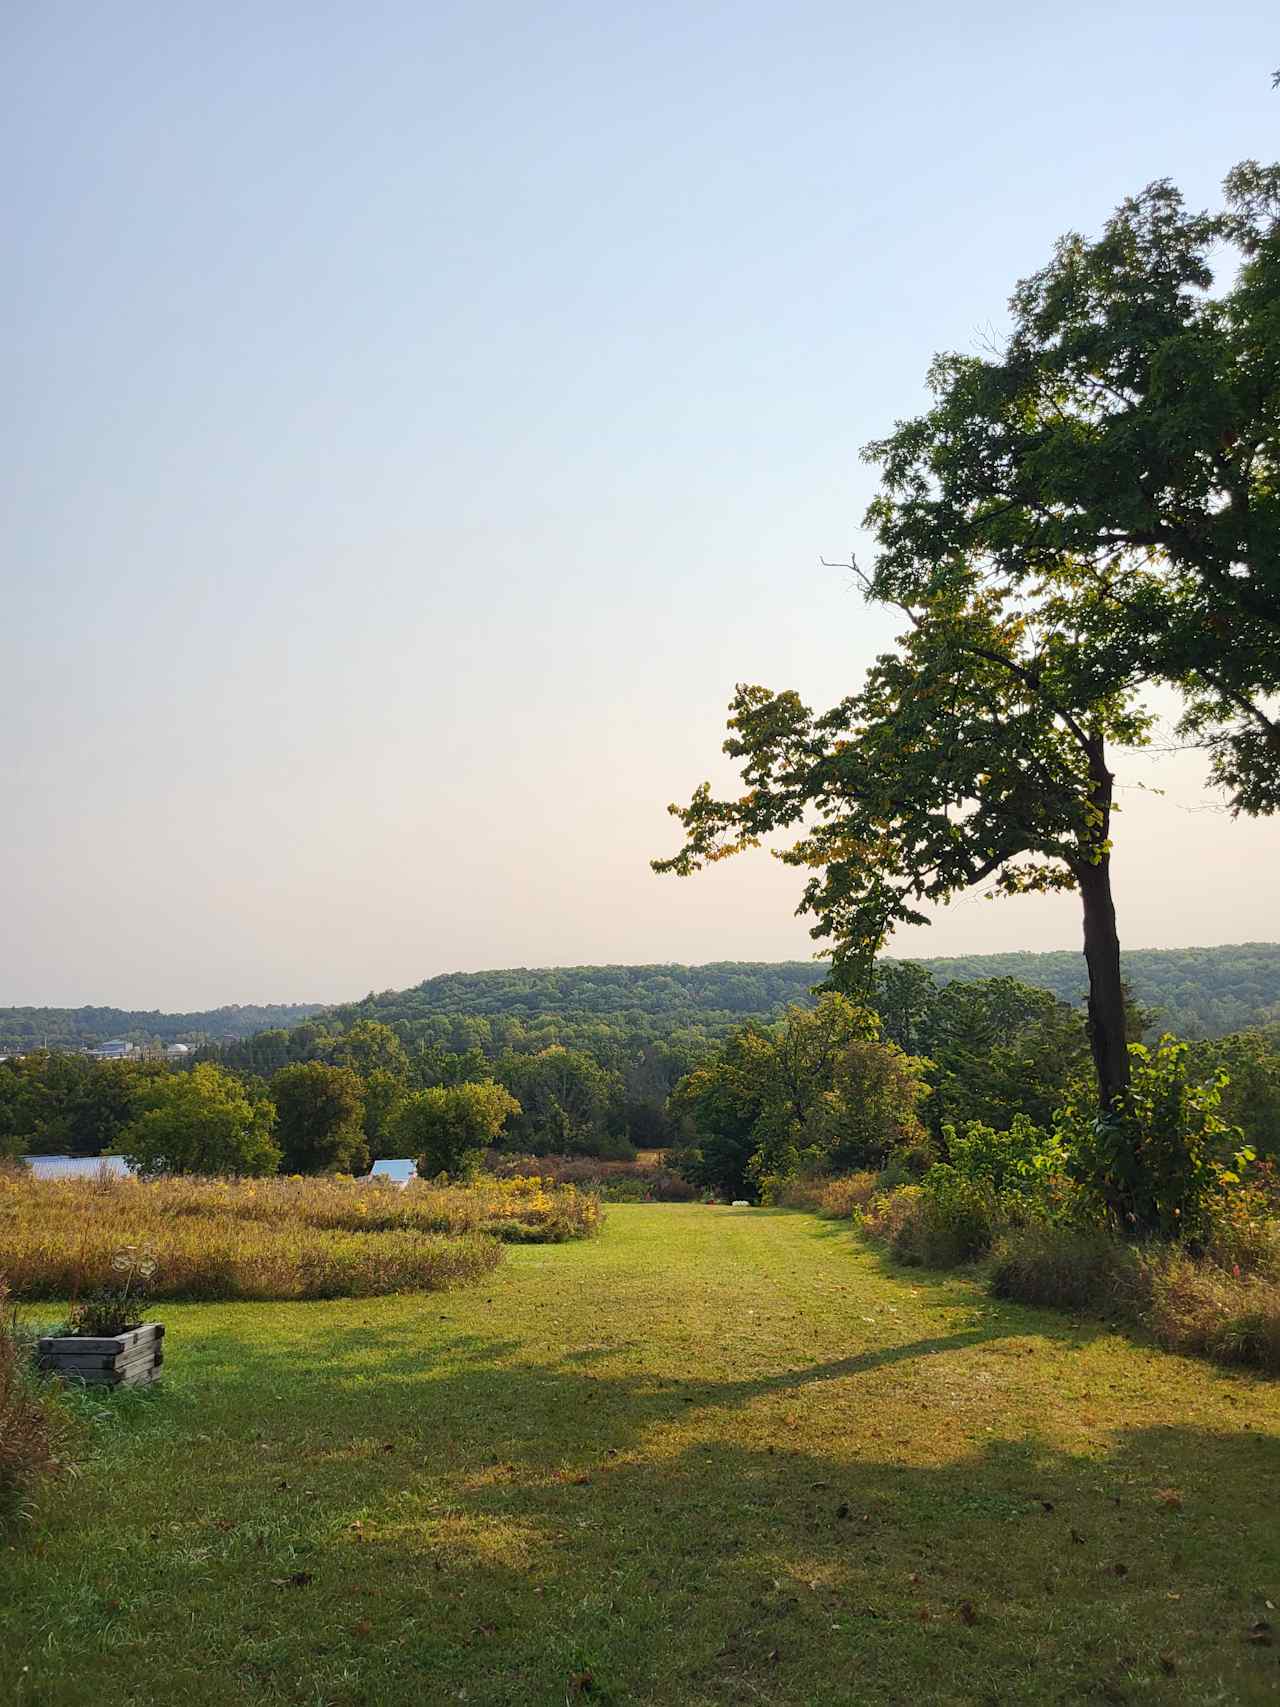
(1196, 992)
(83, 1028)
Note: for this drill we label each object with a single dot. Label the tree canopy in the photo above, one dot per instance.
(319, 1112)
(201, 1122)
(1125, 440)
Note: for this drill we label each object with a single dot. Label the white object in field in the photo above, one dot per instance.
(741, 1203)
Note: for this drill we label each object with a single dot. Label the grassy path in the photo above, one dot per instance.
(715, 1457)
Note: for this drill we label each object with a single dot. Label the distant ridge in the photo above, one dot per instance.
(83, 1028)
(1197, 992)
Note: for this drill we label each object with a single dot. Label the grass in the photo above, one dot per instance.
(716, 1457)
(275, 1238)
(32, 1424)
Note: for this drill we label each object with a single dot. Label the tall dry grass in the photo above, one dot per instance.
(836, 1199)
(32, 1430)
(278, 1238)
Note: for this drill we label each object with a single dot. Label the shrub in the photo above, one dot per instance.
(834, 1199)
(946, 1220)
(1244, 1224)
(32, 1430)
(1154, 1165)
(1015, 1164)
(1042, 1263)
(1188, 1303)
(843, 1198)
(614, 1181)
(1194, 1306)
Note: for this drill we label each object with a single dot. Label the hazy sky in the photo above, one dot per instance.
(418, 417)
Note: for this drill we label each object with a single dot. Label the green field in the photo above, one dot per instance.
(715, 1456)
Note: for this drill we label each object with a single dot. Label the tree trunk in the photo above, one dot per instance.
(1107, 1037)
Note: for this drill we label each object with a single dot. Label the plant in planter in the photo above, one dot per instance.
(104, 1339)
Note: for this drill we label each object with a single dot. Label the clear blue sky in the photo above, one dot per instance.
(418, 418)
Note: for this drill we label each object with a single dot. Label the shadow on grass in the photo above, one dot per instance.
(426, 1515)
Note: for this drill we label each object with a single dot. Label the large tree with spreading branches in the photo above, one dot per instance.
(1094, 507)
(1127, 434)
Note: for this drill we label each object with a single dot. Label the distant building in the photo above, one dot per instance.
(116, 1049)
(176, 1052)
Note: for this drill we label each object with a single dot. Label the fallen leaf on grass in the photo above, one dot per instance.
(1077, 1538)
(580, 1682)
(967, 1613)
(299, 1579)
(1259, 1633)
(1170, 1498)
(1118, 1570)
(1168, 1665)
(361, 1627)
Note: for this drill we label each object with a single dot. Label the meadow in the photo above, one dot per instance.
(274, 1238)
(717, 1456)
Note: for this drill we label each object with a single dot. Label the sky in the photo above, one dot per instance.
(419, 417)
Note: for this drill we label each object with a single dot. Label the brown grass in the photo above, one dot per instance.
(835, 1199)
(281, 1238)
(1189, 1303)
(619, 1182)
(31, 1430)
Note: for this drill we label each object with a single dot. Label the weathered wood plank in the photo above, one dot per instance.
(120, 1360)
(113, 1343)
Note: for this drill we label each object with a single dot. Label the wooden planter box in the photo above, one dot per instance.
(122, 1360)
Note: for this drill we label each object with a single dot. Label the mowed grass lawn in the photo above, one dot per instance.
(714, 1456)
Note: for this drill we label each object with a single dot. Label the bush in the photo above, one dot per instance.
(1192, 1305)
(1015, 1164)
(834, 1199)
(32, 1430)
(615, 1182)
(1155, 1165)
(946, 1220)
(1061, 1266)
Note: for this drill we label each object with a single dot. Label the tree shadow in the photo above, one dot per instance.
(511, 1524)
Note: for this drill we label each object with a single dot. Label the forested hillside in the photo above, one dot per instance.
(1195, 992)
(83, 1028)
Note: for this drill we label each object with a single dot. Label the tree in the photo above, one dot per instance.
(318, 1119)
(382, 1093)
(717, 1106)
(449, 1126)
(201, 1122)
(977, 752)
(1126, 440)
(569, 1104)
(369, 1046)
(1251, 1093)
(873, 1108)
(817, 1090)
(903, 993)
